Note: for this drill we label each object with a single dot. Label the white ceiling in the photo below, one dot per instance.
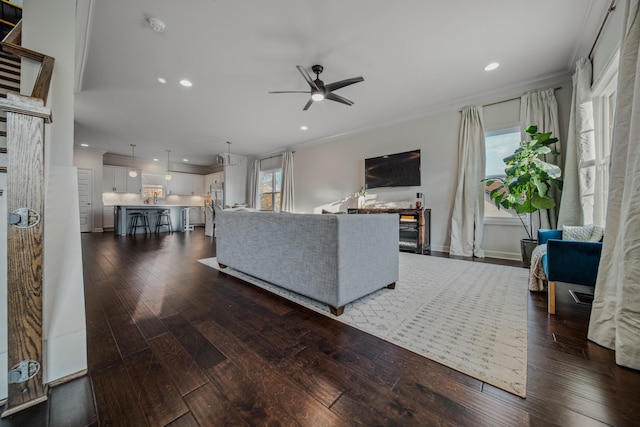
(416, 56)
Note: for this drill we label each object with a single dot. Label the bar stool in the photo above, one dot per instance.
(164, 220)
(138, 220)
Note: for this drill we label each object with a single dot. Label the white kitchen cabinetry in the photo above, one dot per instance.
(186, 184)
(117, 180)
(197, 185)
(196, 215)
(107, 217)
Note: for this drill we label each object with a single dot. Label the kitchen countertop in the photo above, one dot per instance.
(150, 205)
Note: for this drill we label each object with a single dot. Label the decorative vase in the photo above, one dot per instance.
(361, 201)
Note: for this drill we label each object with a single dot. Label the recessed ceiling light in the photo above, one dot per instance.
(186, 83)
(84, 145)
(303, 127)
(491, 66)
(162, 80)
(156, 160)
(185, 160)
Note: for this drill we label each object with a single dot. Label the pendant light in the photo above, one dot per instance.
(168, 175)
(133, 173)
(228, 159)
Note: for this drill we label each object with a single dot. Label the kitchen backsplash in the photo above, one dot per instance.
(109, 199)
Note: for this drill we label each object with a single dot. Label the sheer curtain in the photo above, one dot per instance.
(540, 108)
(576, 207)
(254, 184)
(615, 317)
(467, 220)
(287, 193)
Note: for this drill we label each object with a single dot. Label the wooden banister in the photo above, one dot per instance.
(12, 44)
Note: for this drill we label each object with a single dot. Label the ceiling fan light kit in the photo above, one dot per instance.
(319, 90)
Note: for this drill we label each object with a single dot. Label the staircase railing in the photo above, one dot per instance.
(25, 120)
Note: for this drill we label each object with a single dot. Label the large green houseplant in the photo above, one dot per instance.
(528, 179)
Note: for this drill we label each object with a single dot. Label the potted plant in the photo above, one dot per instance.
(360, 196)
(526, 184)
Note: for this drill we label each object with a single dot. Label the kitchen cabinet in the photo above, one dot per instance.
(117, 180)
(186, 184)
(107, 217)
(196, 215)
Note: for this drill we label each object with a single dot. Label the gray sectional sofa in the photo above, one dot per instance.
(334, 259)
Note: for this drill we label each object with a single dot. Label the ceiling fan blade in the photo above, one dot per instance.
(307, 77)
(338, 98)
(291, 91)
(306, 107)
(342, 83)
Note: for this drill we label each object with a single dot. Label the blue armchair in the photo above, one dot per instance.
(568, 261)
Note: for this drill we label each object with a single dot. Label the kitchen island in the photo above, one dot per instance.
(123, 213)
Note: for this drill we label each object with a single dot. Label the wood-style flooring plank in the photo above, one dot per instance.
(160, 400)
(210, 407)
(186, 420)
(201, 350)
(102, 351)
(183, 371)
(116, 398)
(282, 393)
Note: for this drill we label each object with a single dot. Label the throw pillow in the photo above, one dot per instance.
(589, 233)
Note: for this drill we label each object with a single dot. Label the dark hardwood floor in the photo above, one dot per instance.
(172, 342)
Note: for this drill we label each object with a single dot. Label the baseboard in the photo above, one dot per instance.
(503, 255)
(68, 378)
(98, 230)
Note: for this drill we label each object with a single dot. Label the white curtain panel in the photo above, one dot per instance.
(287, 193)
(576, 204)
(467, 221)
(540, 108)
(254, 184)
(615, 314)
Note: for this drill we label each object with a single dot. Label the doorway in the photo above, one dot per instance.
(85, 187)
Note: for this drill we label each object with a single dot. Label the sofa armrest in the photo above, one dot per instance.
(573, 261)
(546, 234)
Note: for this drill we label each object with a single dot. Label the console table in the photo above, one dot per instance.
(414, 227)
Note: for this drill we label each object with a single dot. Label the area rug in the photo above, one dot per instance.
(469, 316)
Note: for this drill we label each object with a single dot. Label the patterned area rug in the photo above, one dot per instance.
(469, 316)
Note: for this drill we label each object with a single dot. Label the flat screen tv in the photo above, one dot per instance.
(393, 170)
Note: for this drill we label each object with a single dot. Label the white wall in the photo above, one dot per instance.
(327, 174)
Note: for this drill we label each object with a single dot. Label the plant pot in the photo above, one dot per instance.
(526, 247)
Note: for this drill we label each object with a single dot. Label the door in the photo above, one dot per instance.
(85, 185)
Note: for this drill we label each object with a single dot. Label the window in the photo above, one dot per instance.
(270, 185)
(499, 144)
(604, 102)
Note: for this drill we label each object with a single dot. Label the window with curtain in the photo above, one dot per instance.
(270, 186)
(604, 97)
(499, 143)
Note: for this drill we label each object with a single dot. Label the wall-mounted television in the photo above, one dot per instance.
(393, 170)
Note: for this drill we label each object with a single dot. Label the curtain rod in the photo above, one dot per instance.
(612, 7)
(507, 100)
(275, 155)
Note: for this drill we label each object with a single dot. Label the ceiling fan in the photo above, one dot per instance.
(319, 90)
